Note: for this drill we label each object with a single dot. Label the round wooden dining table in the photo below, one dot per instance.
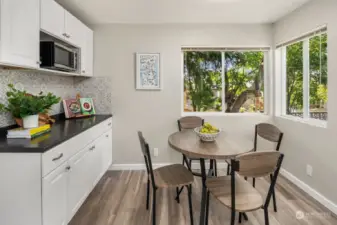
(226, 146)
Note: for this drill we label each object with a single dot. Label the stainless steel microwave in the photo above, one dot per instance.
(56, 56)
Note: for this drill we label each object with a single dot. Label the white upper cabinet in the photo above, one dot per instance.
(52, 18)
(20, 25)
(73, 29)
(87, 52)
(58, 22)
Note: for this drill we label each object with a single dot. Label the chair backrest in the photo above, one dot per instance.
(147, 157)
(257, 164)
(190, 122)
(268, 132)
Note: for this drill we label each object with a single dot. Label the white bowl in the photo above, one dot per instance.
(206, 137)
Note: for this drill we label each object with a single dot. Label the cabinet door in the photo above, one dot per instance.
(79, 185)
(20, 32)
(94, 173)
(87, 52)
(52, 18)
(54, 196)
(106, 151)
(73, 30)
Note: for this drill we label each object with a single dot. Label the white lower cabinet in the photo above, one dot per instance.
(106, 146)
(95, 171)
(48, 188)
(78, 181)
(54, 196)
(66, 188)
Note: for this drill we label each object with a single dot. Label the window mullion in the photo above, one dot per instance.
(223, 81)
(284, 80)
(306, 77)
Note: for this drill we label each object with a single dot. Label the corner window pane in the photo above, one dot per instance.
(318, 77)
(202, 82)
(244, 82)
(294, 79)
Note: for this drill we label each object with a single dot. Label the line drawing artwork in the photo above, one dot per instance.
(148, 71)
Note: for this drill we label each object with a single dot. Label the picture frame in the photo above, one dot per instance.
(148, 71)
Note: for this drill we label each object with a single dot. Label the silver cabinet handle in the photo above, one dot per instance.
(67, 35)
(109, 124)
(58, 157)
(68, 168)
(64, 34)
(92, 148)
(107, 135)
(83, 71)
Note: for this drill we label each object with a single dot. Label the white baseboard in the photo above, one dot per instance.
(140, 166)
(310, 191)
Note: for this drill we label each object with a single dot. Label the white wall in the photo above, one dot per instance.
(306, 144)
(156, 112)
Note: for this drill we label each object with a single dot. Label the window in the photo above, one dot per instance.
(306, 81)
(223, 81)
(294, 79)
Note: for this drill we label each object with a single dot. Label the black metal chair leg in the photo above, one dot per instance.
(183, 161)
(215, 168)
(274, 194)
(203, 193)
(240, 217)
(245, 216)
(207, 208)
(211, 168)
(254, 182)
(148, 195)
(266, 216)
(233, 218)
(178, 194)
(228, 169)
(189, 188)
(154, 207)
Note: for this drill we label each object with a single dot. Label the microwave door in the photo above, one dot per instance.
(64, 58)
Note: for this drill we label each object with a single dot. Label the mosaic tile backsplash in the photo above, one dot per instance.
(99, 88)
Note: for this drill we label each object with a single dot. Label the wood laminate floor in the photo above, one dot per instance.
(119, 199)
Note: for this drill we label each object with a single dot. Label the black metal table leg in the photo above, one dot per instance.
(204, 192)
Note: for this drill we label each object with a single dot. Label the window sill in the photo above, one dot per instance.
(311, 122)
(220, 114)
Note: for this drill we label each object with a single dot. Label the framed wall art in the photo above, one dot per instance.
(148, 71)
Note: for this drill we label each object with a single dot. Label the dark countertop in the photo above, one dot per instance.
(61, 131)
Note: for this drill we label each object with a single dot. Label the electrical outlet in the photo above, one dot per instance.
(309, 170)
(156, 152)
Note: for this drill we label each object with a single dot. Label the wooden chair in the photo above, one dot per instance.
(168, 176)
(270, 133)
(235, 191)
(185, 123)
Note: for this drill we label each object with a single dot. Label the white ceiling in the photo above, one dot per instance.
(180, 11)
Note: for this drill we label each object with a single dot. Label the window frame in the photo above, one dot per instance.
(267, 72)
(282, 50)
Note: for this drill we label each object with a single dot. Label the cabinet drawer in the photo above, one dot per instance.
(56, 156)
(107, 125)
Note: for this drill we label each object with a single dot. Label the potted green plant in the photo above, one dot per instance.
(28, 106)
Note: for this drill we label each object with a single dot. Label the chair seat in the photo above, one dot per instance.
(247, 197)
(172, 176)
